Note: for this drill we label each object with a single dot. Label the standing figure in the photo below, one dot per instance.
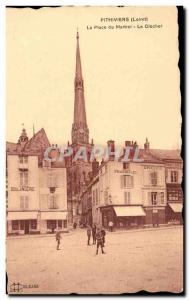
(103, 236)
(110, 224)
(88, 234)
(94, 234)
(99, 239)
(58, 237)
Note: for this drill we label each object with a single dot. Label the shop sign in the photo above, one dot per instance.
(22, 188)
(125, 171)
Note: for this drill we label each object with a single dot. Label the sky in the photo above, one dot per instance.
(131, 76)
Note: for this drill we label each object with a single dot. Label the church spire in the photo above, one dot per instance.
(80, 132)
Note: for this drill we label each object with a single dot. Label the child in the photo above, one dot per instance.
(99, 239)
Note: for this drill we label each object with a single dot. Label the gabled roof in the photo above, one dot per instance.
(39, 142)
(166, 154)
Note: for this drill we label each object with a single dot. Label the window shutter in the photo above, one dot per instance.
(22, 202)
(129, 197)
(149, 198)
(26, 202)
(121, 180)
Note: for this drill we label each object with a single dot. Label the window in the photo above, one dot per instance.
(153, 178)
(96, 196)
(24, 178)
(174, 176)
(22, 223)
(126, 181)
(51, 180)
(64, 223)
(161, 198)
(24, 202)
(23, 159)
(154, 198)
(33, 224)
(125, 166)
(53, 202)
(106, 197)
(93, 197)
(51, 224)
(127, 198)
(15, 225)
(60, 223)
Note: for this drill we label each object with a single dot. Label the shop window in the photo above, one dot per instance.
(174, 176)
(65, 223)
(15, 225)
(153, 178)
(60, 223)
(33, 224)
(127, 198)
(154, 198)
(22, 225)
(127, 181)
(51, 224)
(24, 178)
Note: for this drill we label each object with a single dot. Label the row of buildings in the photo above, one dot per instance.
(136, 193)
(43, 195)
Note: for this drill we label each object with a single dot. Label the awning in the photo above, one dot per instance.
(54, 215)
(129, 211)
(22, 215)
(176, 207)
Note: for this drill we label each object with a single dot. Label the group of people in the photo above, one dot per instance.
(98, 235)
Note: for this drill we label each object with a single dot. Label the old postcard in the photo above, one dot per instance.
(94, 199)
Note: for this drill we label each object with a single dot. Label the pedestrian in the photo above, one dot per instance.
(58, 237)
(110, 224)
(89, 230)
(103, 236)
(99, 240)
(74, 225)
(94, 234)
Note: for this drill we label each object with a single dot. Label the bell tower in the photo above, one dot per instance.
(80, 131)
(78, 171)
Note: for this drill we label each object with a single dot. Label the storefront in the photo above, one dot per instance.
(20, 222)
(52, 220)
(174, 213)
(155, 215)
(33, 222)
(123, 216)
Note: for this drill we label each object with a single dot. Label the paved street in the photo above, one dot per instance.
(149, 260)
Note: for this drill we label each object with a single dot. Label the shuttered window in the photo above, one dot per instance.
(127, 181)
(127, 198)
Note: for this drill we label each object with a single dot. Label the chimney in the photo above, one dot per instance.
(95, 166)
(111, 148)
(147, 145)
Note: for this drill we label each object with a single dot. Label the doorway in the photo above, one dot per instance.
(27, 227)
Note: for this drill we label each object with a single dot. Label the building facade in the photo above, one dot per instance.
(135, 193)
(36, 189)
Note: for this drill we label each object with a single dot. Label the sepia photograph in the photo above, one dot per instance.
(94, 171)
